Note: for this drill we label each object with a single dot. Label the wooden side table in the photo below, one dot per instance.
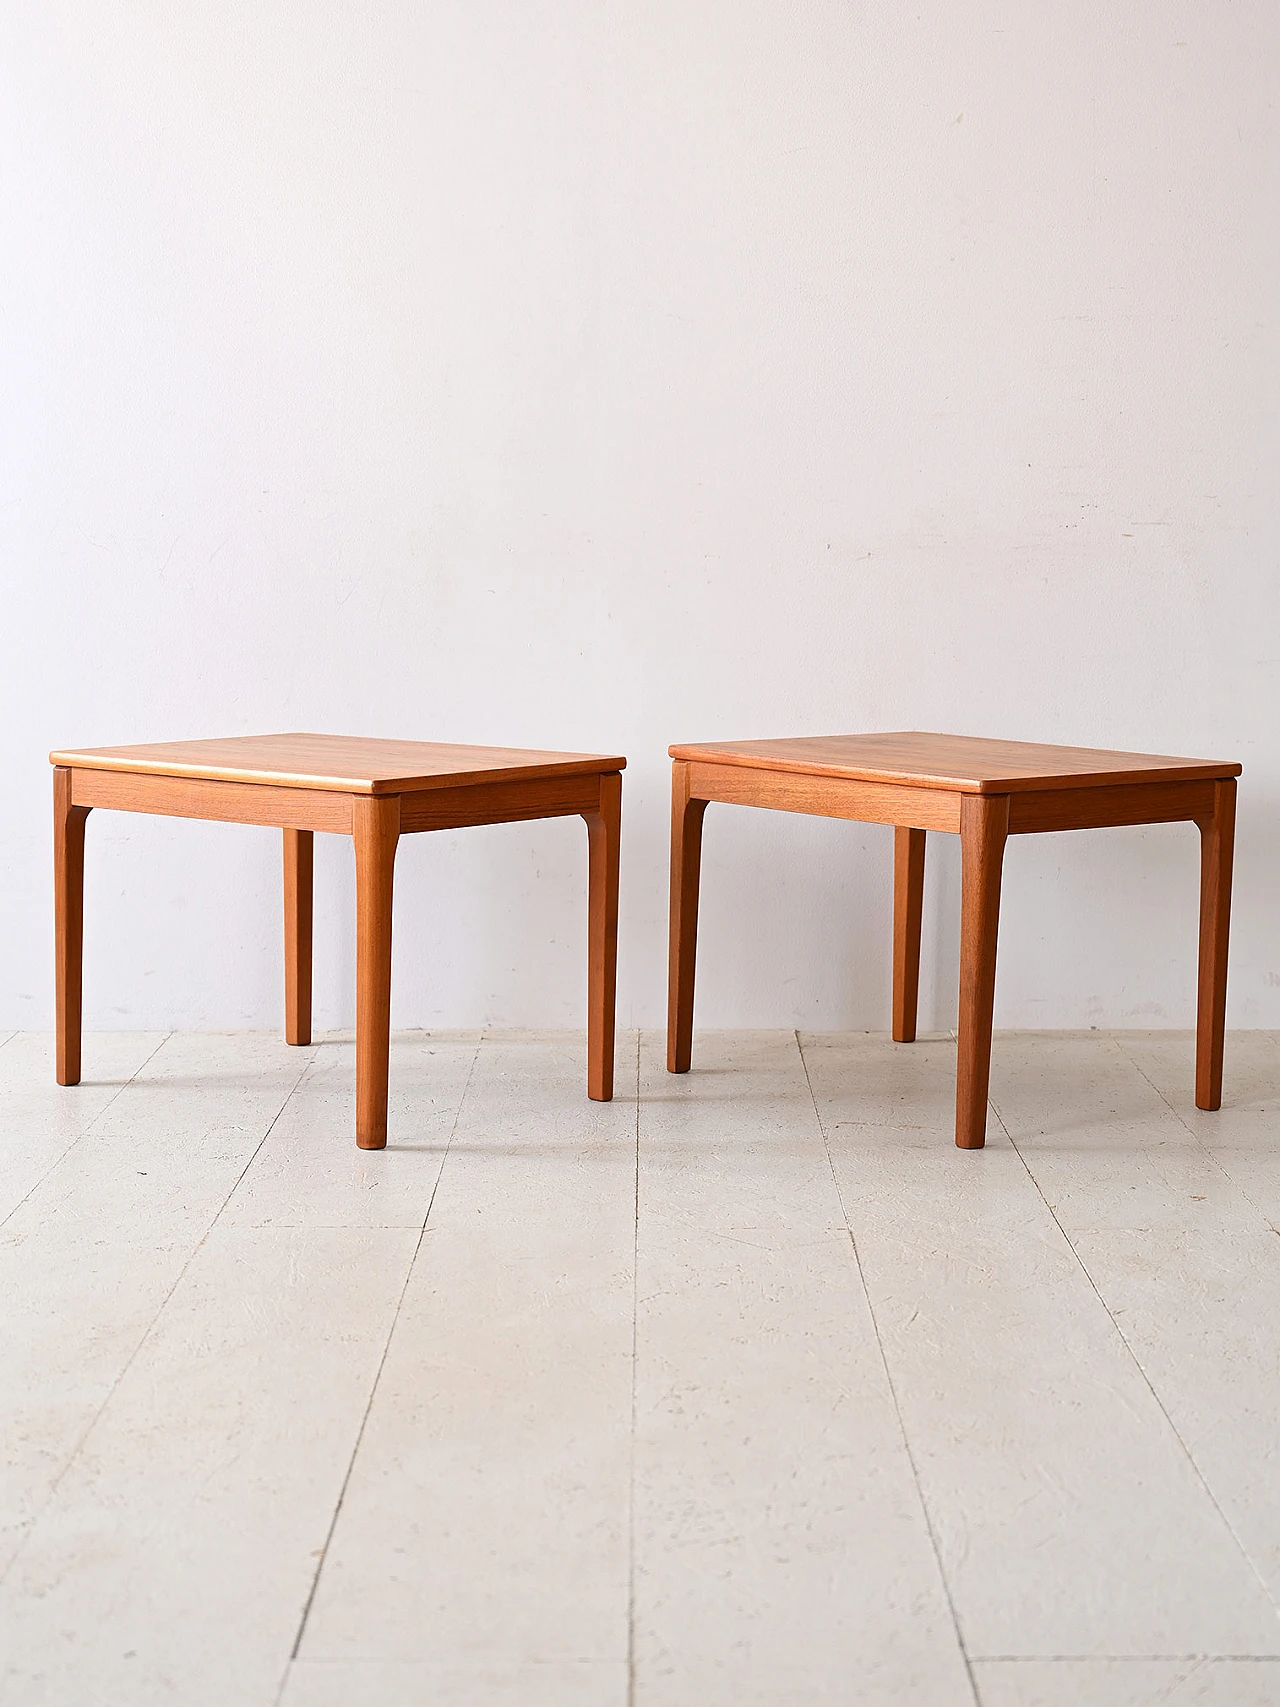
(985, 791)
(373, 791)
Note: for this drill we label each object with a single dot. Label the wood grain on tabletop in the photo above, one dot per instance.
(968, 763)
(353, 764)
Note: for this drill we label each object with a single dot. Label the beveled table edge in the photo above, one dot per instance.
(581, 764)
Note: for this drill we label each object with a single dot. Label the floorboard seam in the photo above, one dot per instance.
(1137, 1363)
(377, 1377)
(81, 1136)
(147, 1332)
(635, 1345)
(1188, 1127)
(893, 1391)
(307, 1065)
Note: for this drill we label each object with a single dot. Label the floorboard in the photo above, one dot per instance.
(745, 1388)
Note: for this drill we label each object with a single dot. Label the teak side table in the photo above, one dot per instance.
(373, 791)
(985, 791)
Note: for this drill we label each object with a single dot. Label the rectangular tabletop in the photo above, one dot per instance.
(348, 764)
(964, 764)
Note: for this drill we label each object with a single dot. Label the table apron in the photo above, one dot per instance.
(202, 797)
(498, 802)
(1101, 808)
(826, 796)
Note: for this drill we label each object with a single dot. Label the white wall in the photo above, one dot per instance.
(564, 374)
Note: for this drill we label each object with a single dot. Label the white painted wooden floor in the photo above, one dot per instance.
(747, 1388)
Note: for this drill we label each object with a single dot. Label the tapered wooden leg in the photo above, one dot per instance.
(908, 899)
(68, 925)
(1217, 844)
(299, 857)
(984, 825)
(604, 831)
(686, 863)
(375, 828)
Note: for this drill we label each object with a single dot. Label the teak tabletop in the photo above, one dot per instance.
(984, 791)
(374, 791)
(350, 764)
(968, 764)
